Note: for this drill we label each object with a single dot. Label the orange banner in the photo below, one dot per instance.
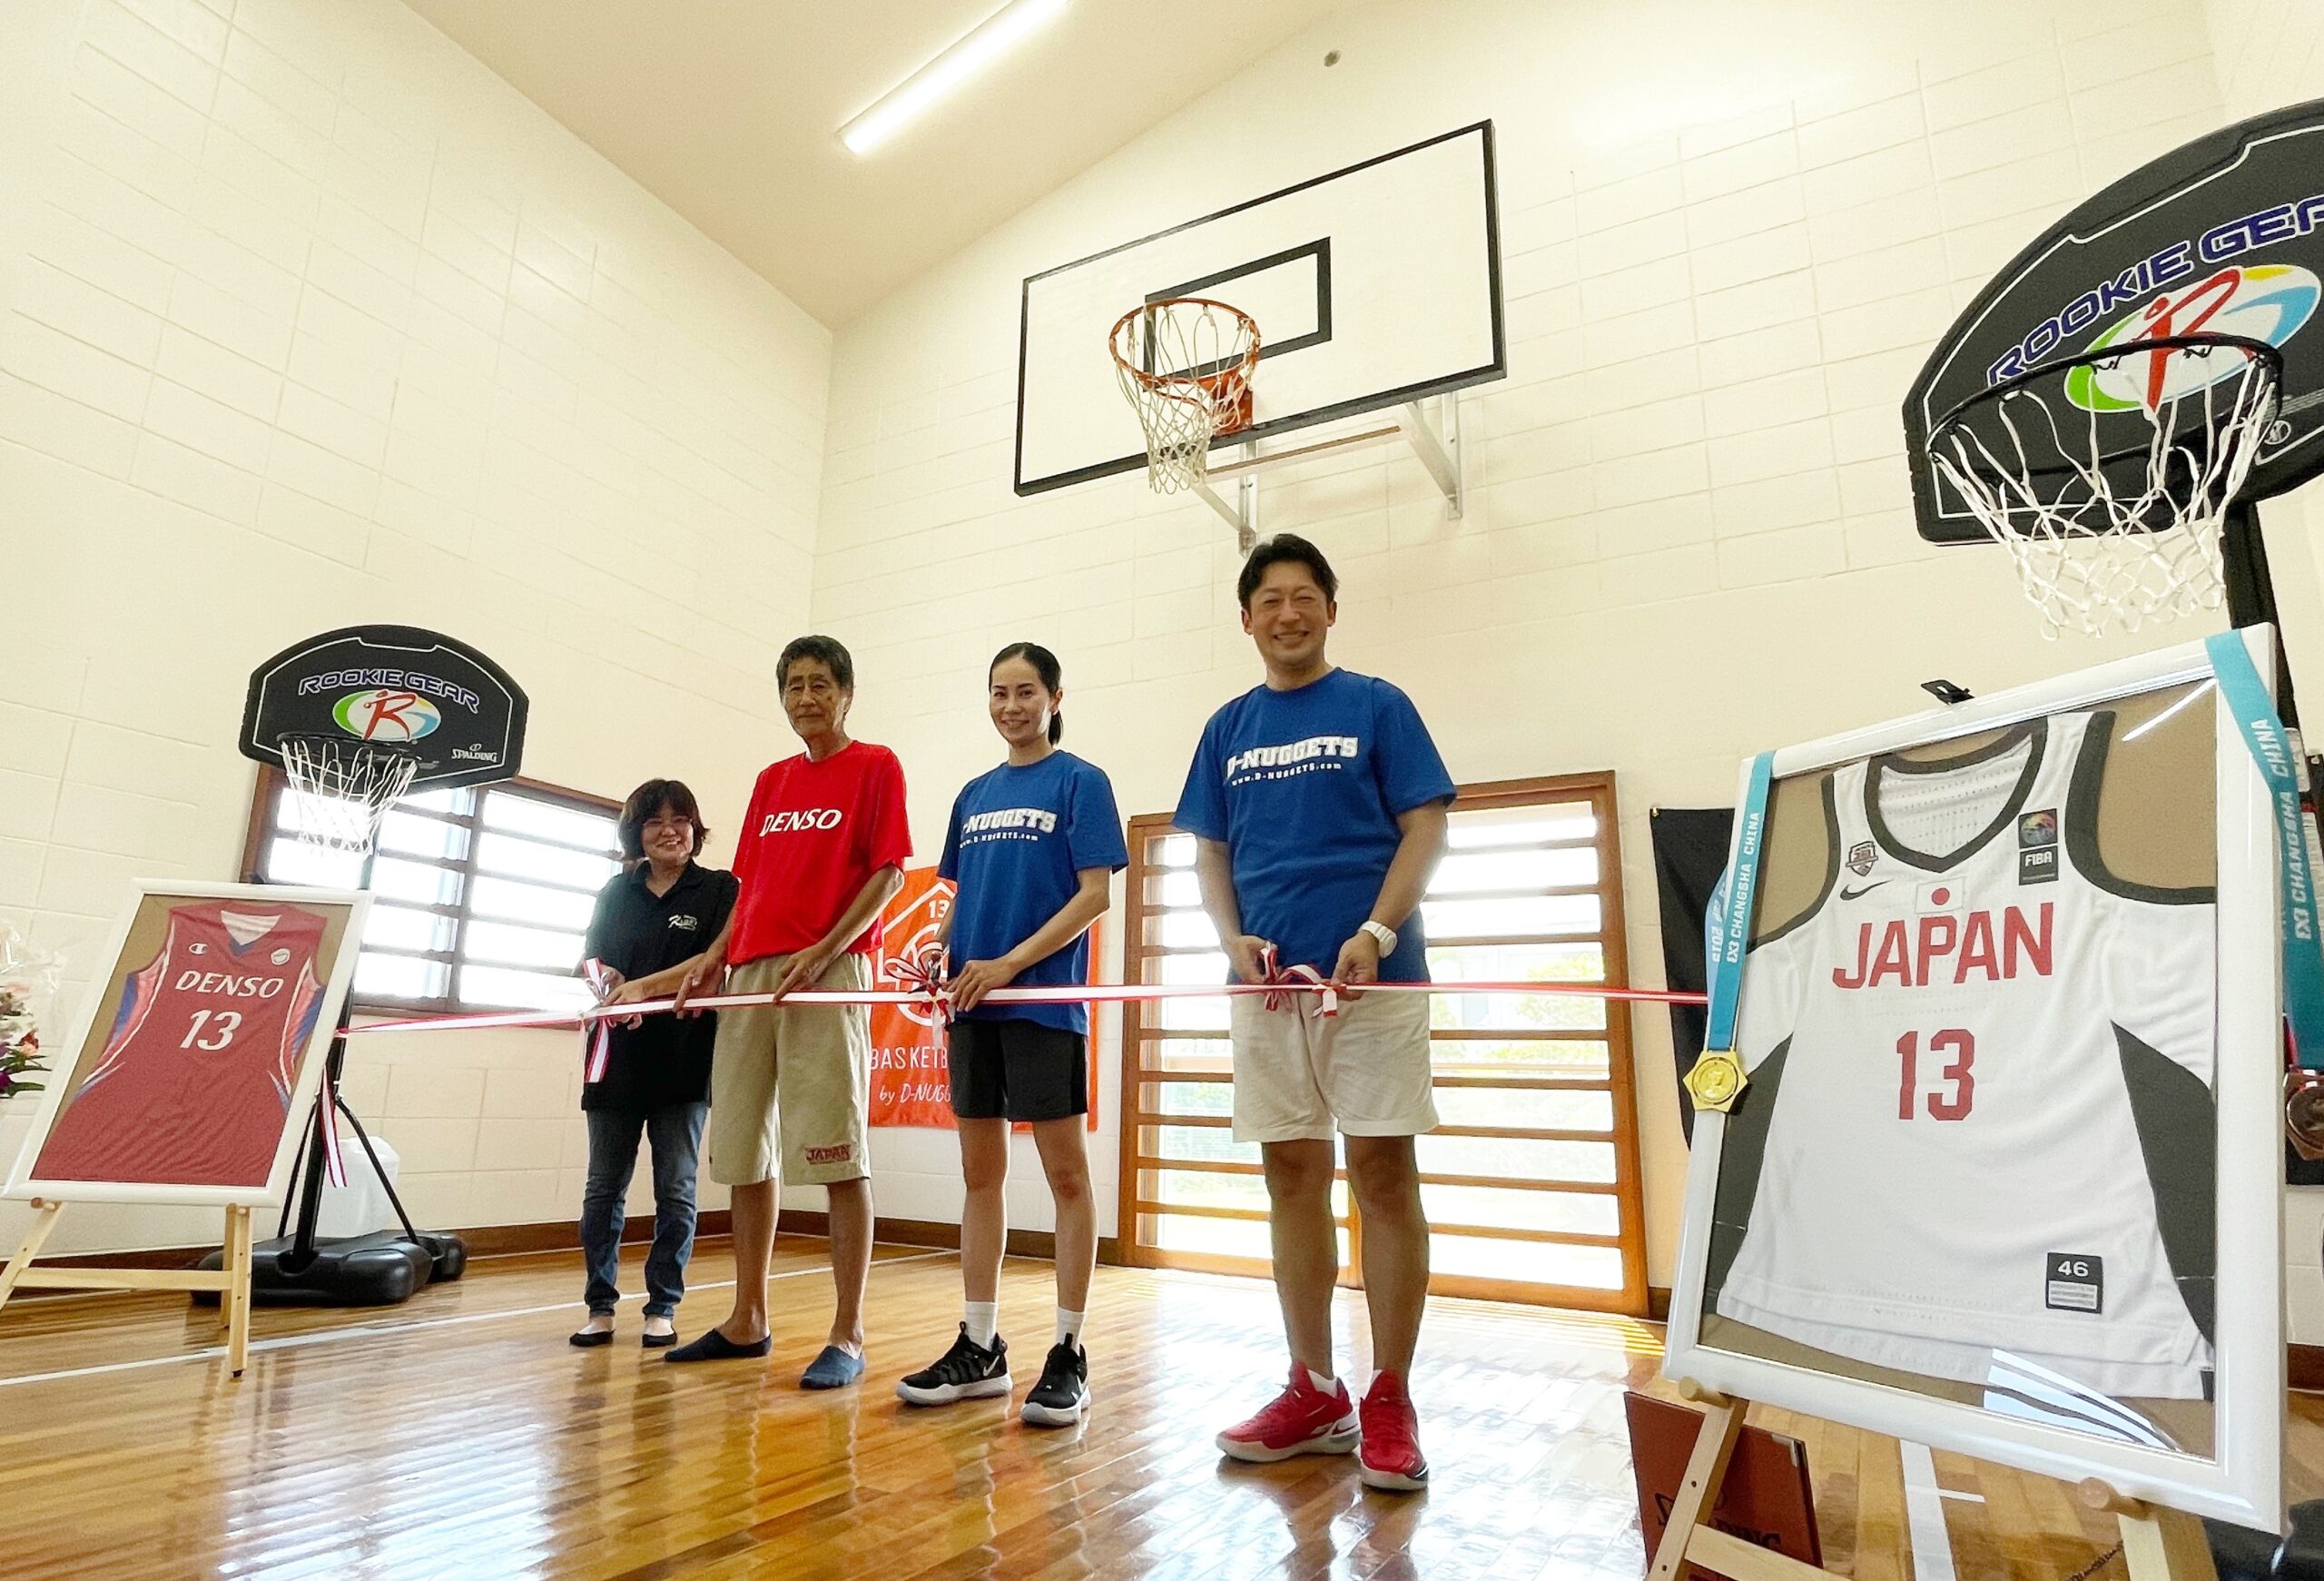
(909, 1085)
(911, 1082)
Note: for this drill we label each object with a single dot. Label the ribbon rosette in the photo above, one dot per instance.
(597, 1034)
(1286, 983)
(923, 975)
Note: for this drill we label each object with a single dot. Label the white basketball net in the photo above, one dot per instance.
(2090, 553)
(348, 786)
(1184, 364)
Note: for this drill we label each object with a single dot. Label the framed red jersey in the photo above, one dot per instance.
(194, 1066)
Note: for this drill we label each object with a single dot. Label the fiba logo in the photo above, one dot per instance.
(2270, 302)
(379, 714)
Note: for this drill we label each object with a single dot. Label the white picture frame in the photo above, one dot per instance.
(101, 1000)
(2242, 1481)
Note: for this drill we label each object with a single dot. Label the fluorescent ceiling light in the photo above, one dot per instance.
(969, 53)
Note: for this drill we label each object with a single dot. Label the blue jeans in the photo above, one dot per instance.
(676, 1133)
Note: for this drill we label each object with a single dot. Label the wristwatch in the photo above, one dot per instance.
(1382, 935)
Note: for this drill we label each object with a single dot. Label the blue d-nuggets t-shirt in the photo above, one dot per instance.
(1304, 787)
(1019, 839)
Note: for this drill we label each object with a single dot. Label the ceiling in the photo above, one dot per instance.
(729, 111)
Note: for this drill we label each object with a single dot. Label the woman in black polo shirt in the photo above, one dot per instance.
(652, 920)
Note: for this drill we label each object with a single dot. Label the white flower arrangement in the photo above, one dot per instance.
(27, 976)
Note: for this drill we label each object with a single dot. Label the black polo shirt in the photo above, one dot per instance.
(665, 1059)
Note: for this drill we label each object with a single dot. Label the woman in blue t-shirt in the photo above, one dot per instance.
(1032, 845)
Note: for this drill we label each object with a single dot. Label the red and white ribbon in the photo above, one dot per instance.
(334, 1161)
(1286, 984)
(1088, 994)
(597, 1035)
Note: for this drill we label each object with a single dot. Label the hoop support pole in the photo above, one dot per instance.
(1251, 464)
(1437, 444)
(2251, 590)
(299, 1255)
(1434, 436)
(1243, 516)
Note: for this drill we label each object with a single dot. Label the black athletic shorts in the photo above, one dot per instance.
(1018, 1070)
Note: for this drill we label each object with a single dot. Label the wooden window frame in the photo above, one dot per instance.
(266, 799)
(1141, 1025)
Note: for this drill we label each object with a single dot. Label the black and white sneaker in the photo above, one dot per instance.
(1062, 1396)
(967, 1371)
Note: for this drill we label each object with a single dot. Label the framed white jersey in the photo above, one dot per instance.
(2004, 1173)
(1981, 1069)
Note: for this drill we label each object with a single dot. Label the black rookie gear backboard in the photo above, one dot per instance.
(2224, 236)
(460, 713)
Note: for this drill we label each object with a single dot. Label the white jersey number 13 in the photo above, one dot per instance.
(222, 1025)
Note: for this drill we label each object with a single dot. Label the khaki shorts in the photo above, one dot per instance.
(1299, 1075)
(808, 1066)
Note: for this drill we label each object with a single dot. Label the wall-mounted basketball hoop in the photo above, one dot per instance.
(1186, 366)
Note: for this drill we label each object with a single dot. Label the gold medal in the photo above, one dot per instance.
(2304, 1111)
(1717, 1080)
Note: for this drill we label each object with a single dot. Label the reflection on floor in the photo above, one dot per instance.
(459, 1437)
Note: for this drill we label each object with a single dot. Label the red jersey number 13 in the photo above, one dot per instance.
(1963, 1050)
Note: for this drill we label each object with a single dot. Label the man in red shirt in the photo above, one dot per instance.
(822, 852)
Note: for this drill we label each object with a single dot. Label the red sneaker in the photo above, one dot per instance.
(1301, 1420)
(1391, 1456)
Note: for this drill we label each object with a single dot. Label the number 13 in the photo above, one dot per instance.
(222, 1026)
(1965, 1085)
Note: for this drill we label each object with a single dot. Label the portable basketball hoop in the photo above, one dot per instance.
(355, 719)
(2103, 532)
(1184, 363)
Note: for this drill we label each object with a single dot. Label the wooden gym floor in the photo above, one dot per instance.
(458, 1436)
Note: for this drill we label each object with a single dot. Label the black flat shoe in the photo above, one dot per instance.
(661, 1341)
(715, 1347)
(587, 1341)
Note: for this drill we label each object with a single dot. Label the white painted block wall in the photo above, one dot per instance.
(1730, 233)
(306, 319)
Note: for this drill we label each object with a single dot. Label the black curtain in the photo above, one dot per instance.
(1689, 854)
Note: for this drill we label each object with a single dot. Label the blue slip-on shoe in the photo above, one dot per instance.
(831, 1369)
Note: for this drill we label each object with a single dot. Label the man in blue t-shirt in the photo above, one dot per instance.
(1318, 804)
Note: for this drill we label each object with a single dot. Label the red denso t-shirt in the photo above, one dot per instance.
(815, 832)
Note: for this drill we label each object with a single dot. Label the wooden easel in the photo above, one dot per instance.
(2158, 1544)
(232, 1279)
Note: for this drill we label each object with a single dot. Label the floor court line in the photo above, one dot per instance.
(1925, 1514)
(383, 1330)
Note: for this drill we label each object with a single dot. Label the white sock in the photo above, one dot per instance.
(983, 1319)
(1068, 1325)
(1323, 1382)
